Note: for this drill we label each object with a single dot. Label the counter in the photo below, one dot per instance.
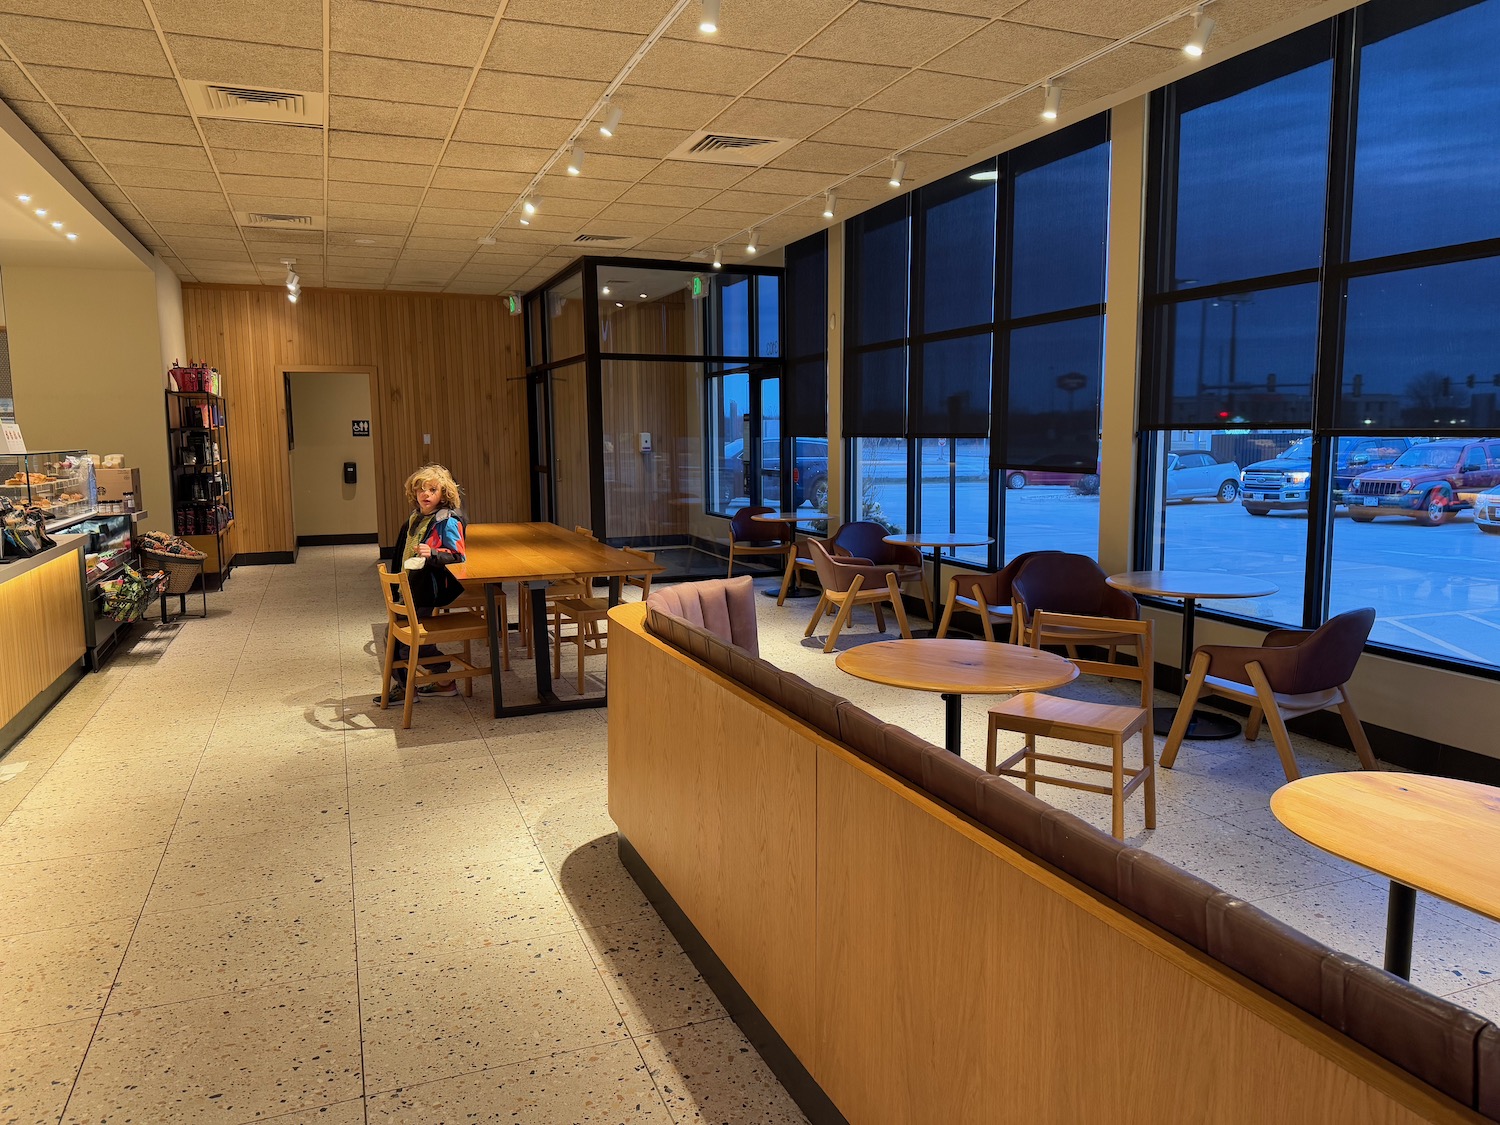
(42, 634)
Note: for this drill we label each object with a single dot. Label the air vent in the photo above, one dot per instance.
(600, 238)
(264, 219)
(729, 148)
(254, 103)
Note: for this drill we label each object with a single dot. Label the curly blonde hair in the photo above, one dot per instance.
(433, 474)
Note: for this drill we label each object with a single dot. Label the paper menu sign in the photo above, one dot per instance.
(10, 437)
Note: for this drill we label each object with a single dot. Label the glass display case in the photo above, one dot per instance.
(59, 482)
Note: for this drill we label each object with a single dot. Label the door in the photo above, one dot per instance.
(330, 416)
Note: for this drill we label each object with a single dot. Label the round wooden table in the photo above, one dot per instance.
(1190, 585)
(939, 542)
(1432, 834)
(956, 669)
(795, 590)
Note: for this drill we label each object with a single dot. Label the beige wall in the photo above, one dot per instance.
(85, 350)
(324, 403)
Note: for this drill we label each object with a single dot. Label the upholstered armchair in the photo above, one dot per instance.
(848, 582)
(747, 536)
(865, 539)
(1061, 582)
(988, 595)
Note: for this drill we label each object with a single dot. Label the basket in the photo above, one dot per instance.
(181, 570)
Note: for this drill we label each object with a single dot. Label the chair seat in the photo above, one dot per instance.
(996, 612)
(595, 609)
(1070, 636)
(455, 626)
(1067, 718)
(761, 545)
(1289, 704)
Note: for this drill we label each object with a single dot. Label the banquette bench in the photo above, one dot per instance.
(931, 944)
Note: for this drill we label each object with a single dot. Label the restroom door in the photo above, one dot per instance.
(329, 426)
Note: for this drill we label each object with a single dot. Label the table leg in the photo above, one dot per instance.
(1205, 726)
(539, 636)
(1400, 920)
(937, 587)
(499, 634)
(953, 722)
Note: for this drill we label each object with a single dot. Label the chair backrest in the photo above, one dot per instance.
(832, 576)
(997, 587)
(1325, 658)
(865, 539)
(579, 529)
(723, 606)
(744, 529)
(643, 580)
(1044, 623)
(397, 590)
(1063, 582)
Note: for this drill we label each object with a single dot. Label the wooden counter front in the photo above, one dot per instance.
(41, 630)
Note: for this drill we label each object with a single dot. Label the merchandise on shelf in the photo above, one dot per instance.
(195, 378)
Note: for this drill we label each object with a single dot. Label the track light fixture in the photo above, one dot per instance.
(830, 200)
(750, 243)
(613, 113)
(1051, 100)
(708, 22)
(898, 171)
(1203, 27)
(718, 259)
(575, 161)
(530, 204)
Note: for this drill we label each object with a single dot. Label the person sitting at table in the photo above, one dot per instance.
(433, 534)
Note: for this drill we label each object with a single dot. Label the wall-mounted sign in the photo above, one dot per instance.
(361, 427)
(698, 285)
(513, 305)
(1072, 381)
(11, 439)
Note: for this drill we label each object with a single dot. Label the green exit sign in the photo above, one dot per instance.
(513, 305)
(699, 287)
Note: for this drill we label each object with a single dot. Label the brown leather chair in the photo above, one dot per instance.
(988, 595)
(865, 539)
(848, 582)
(1061, 582)
(748, 537)
(800, 559)
(1291, 672)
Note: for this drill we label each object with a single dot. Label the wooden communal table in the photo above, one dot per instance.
(791, 519)
(1430, 834)
(1190, 585)
(539, 553)
(956, 669)
(939, 542)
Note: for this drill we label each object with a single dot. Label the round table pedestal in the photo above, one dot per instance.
(1205, 726)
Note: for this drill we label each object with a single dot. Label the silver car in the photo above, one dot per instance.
(1487, 511)
(1193, 474)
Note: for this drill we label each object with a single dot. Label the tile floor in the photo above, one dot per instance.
(232, 889)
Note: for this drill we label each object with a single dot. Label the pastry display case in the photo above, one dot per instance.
(59, 483)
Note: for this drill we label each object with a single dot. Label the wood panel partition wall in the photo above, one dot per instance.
(448, 366)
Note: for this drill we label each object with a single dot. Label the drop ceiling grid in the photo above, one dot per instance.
(410, 194)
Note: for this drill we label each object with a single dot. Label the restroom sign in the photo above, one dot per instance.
(361, 427)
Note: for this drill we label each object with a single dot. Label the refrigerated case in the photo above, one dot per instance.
(59, 482)
(110, 548)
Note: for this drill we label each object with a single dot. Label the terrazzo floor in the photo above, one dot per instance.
(232, 889)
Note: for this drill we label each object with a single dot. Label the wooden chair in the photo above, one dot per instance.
(865, 539)
(573, 588)
(402, 624)
(799, 562)
(1060, 582)
(589, 617)
(988, 595)
(748, 537)
(1291, 672)
(472, 600)
(848, 583)
(1034, 716)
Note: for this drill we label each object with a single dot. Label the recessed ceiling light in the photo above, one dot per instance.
(72, 237)
(56, 226)
(24, 198)
(619, 304)
(643, 296)
(41, 212)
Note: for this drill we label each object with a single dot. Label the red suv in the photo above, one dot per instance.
(1428, 483)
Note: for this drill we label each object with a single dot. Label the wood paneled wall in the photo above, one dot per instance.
(448, 366)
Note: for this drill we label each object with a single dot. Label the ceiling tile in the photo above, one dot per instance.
(878, 33)
(779, 181)
(639, 140)
(460, 216)
(606, 166)
(387, 212)
(361, 226)
(221, 255)
(469, 200)
(513, 128)
(930, 94)
(883, 130)
(1124, 67)
(590, 188)
(667, 195)
(288, 23)
(139, 176)
(375, 193)
(970, 140)
(40, 116)
(188, 206)
(427, 229)
(256, 137)
(67, 86)
(378, 172)
(69, 149)
(1010, 52)
(391, 31)
(250, 163)
(290, 186)
(674, 64)
(500, 158)
(669, 109)
(1114, 20)
(113, 154)
(117, 124)
(419, 257)
(85, 46)
(116, 13)
(790, 120)
(749, 201)
(816, 156)
(479, 179)
(694, 174)
(368, 146)
(277, 204)
(824, 82)
(247, 64)
(399, 80)
(769, 25)
(175, 230)
(566, 52)
(986, 8)
(263, 241)
(434, 242)
(637, 16)
(629, 212)
(364, 115)
(535, 93)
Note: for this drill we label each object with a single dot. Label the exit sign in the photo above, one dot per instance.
(700, 287)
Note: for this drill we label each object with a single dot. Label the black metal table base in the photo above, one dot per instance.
(953, 722)
(547, 700)
(1400, 921)
(1206, 726)
(796, 591)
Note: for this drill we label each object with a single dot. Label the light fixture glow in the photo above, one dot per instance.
(612, 119)
(1051, 100)
(619, 304)
(41, 212)
(24, 198)
(750, 245)
(605, 291)
(72, 237)
(525, 222)
(1203, 27)
(898, 171)
(718, 259)
(575, 162)
(292, 297)
(57, 226)
(830, 200)
(530, 204)
(643, 296)
(708, 23)
(987, 175)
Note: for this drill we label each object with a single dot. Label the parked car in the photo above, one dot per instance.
(1428, 483)
(1020, 478)
(809, 470)
(1281, 483)
(1487, 512)
(1193, 474)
